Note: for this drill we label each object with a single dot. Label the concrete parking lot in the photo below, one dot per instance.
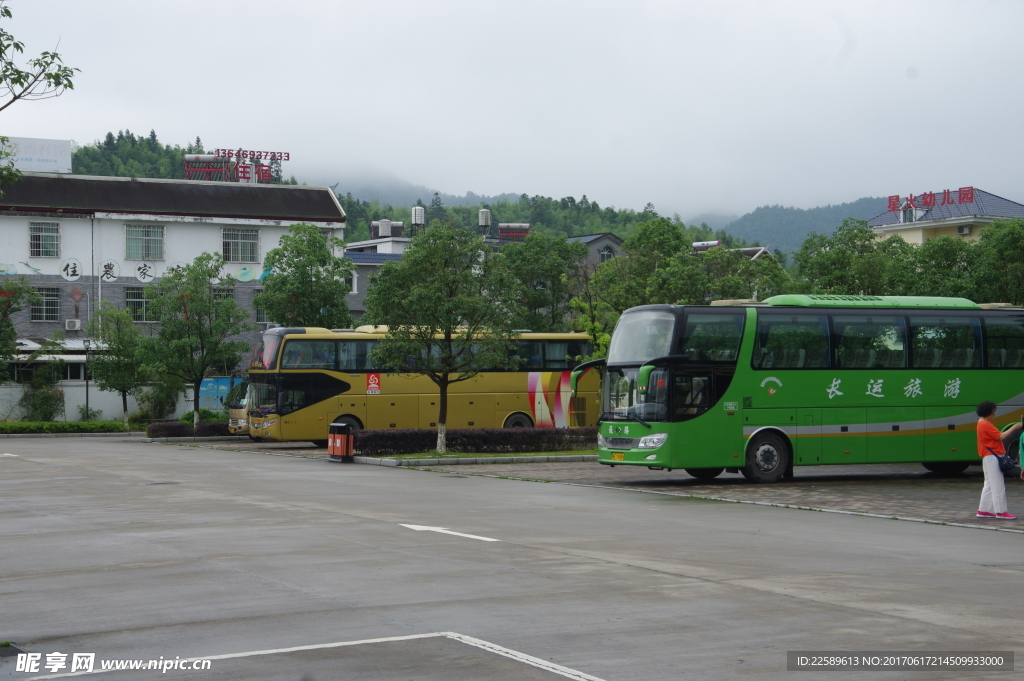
(282, 567)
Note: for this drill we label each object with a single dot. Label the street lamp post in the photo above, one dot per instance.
(88, 347)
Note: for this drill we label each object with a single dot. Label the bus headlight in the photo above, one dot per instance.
(601, 442)
(652, 441)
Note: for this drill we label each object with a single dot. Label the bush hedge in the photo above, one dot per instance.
(32, 427)
(483, 440)
(178, 429)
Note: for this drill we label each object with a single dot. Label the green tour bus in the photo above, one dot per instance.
(806, 380)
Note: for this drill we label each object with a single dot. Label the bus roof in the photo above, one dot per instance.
(368, 332)
(918, 302)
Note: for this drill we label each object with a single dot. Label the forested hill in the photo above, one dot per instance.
(126, 155)
(558, 217)
(786, 228)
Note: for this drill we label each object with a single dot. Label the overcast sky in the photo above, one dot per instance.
(694, 106)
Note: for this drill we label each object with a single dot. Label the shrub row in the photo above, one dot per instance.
(178, 429)
(483, 440)
(31, 427)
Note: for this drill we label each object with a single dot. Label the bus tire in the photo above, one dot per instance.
(704, 473)
(518, 420)
(767, 458)
(947, 467)
(350, 421)
(254, 438)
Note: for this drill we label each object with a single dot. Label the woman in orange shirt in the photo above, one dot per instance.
(990, 443)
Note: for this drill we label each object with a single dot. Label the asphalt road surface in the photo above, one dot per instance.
(292, 568)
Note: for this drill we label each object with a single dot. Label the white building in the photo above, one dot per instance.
(81, 240)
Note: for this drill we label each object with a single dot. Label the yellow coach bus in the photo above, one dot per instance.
(301, 380)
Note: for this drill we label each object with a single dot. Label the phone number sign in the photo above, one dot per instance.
(251, 154)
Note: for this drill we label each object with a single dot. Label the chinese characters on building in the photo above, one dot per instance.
(929, 200)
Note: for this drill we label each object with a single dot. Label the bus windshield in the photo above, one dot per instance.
(237, 396)
(264, 355)
(640, 336)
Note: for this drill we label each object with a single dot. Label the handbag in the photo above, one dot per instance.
(1006, 464)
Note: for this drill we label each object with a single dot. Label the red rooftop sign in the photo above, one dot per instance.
(927, 200)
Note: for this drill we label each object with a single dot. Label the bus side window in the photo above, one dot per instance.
(869, 341)
(1004, 339)
(946, 342)
(787, 341)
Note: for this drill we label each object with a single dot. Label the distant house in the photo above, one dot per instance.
(961, 213)
(602, 247)
(366, 262)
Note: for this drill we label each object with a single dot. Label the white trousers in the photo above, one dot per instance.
(993, 494)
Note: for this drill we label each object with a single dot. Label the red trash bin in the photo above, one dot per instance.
(340, 443)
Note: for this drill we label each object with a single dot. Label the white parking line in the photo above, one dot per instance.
(468, 640)
(445, 530)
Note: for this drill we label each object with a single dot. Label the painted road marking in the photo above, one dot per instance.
(8, 455)
(442, 530)
(468, 640)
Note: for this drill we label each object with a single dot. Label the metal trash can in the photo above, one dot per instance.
(340, 443)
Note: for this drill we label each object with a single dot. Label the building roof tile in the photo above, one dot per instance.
(984, 205)
(90, 194)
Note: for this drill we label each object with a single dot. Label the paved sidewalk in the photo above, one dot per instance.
(902, 490)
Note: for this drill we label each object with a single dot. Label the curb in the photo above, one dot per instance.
(12, 435)
(214, 438)
(417, 463)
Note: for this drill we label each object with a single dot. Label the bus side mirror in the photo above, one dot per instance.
(643, 378)
(573, 379)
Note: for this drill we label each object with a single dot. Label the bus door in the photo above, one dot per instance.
(304, 401)
(842, 435)
(808, 437)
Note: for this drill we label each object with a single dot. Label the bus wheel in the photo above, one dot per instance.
(349, 421)
(704, 473)
(518, 421)
(947, 467)
(322, 444)
(767, 458)
(255, 439)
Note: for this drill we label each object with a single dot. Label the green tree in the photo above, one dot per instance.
(853, 262)
(43, 399)
(450, 312)
(999, 271)
(196, 322)
(120, 364)
(945, 267)
(306, 285)
(626, 282)
(45, 77)
(542, 265)
(15, 295)
(721, 273)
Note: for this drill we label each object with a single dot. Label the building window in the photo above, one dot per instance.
(138, 306)
(606, 253)
(241, 245)
(48, 308)
(44, 239)
(353, 281)
(143, 242)
(261, 314)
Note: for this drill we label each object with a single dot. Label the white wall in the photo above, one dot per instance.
(74, 395)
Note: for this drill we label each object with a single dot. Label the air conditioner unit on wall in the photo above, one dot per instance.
(72, 324)
(964, 230)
